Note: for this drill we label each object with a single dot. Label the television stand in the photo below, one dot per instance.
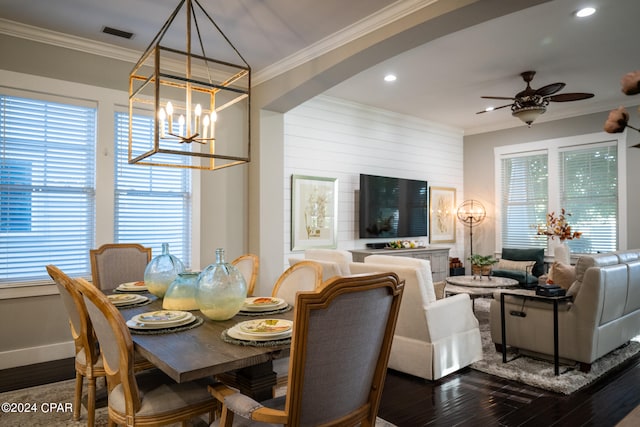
(438, 257)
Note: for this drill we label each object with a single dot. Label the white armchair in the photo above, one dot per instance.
(334, 262)
(433, 338)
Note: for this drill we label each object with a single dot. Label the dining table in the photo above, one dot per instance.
(201, 352)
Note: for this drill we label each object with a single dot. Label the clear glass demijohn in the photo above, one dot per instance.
(161, 271)
(181, 294)
(221, 289)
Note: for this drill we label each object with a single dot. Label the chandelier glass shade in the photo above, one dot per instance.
(200, 105)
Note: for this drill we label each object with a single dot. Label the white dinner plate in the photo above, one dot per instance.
(138, 286)
(236, 333)
(263, 304)
(161, 317)
(126, 299)
(268, 328)
(135, 324)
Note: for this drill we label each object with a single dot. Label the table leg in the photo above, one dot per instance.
(556, 356)
(504, 332)
(255, 381)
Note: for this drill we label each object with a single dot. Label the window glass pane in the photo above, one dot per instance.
(46, 186)
(583, 182)
(152, 203)
(524, 200)
(589, 191)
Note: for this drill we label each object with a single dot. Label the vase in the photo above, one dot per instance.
(181, 294)
(481, 270)
(221, 289)
(562, 253)
(161, 271)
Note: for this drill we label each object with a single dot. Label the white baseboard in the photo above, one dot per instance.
(31, 355)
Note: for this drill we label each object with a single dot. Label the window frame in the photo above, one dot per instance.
(553, 147)
(108, 102)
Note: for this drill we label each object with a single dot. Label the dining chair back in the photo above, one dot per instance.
(144, 400)
(342, 335)
(88, 363)
(302, 276)
(249, 265)
(116, 263)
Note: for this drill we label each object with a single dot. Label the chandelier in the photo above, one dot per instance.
(199, 106)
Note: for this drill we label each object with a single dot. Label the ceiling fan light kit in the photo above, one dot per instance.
(528, 114)
(530, 103)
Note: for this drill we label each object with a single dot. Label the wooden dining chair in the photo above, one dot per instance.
(302, 276)
(116, 263)
(340, 347)
(88, 361)
(248, 264)
(146, 399)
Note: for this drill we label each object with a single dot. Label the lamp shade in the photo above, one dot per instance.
(529, 114)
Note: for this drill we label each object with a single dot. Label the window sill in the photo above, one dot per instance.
(23, 290)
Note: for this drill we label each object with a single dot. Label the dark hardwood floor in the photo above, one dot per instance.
(466, 398)
(472, 398)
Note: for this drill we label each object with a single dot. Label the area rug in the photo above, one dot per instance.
(540, 373)
(50, 405)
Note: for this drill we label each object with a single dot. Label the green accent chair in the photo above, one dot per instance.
(526, 279)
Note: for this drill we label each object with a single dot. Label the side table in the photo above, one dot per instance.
(552, 300)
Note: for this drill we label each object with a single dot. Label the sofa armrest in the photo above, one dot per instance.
(449, 316)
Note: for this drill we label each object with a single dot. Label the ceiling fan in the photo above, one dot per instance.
(528, 104)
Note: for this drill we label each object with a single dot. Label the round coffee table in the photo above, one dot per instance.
(477, 287)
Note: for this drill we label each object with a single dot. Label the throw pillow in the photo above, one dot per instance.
(535, 254)
(563, 275)
(507, 264)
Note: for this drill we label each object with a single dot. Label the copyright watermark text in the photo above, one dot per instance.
(44, 407)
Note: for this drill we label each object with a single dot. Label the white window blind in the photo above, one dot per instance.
(152, 203)
(524, 200)
(47, 190)
(589, 191)
(579, 177)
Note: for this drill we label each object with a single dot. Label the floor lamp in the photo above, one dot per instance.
(470, 213)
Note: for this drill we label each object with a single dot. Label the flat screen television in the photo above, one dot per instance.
(392, 207)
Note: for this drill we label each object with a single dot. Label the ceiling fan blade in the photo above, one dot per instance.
(565, 97)
(498, 97)
(496, 108)
(550, 89)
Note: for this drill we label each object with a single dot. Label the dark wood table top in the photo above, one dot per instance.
(200, 352)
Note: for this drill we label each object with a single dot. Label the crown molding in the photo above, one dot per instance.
(41, 35)
(379, 19)
(385, 16)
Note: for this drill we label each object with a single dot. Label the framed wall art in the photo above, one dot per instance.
(442, 215)
(314, 212)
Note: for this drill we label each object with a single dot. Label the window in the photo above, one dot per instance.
(578, 174)
(46, 186)
(524, 200)
(152, 203)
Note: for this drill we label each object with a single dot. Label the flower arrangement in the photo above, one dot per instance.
(618, 119)
(558, 227)
(405, 244)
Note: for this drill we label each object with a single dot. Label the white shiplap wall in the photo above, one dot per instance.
(327, 137)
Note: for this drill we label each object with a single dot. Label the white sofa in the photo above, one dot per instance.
(433, 338)
(604, 313)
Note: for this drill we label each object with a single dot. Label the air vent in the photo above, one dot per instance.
(117, 33)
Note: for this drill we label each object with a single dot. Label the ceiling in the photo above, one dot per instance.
(441, 81)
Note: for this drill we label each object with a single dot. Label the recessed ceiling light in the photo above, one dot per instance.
(390, 78)
(586, 11)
